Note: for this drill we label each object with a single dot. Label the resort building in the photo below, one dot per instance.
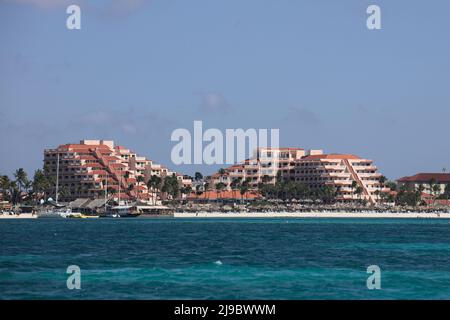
(264, 167)
(88, 169)
(430, 183)
(352, 177)
(228, 196)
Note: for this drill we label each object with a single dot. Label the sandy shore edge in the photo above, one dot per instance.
(410, 215)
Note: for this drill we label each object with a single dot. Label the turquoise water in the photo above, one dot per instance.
(225, 259)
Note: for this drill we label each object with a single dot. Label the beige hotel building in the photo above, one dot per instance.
(312, 167)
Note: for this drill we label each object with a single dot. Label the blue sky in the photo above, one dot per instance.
(139, 69)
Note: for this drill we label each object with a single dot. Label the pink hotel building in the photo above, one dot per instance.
(312, 167)
(87, 168)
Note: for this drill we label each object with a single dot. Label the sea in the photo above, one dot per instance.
(175, 258)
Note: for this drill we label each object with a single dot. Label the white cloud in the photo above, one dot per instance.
(213, 102)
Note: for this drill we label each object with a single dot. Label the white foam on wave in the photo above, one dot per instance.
(218, 262)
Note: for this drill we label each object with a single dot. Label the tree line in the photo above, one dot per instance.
(22, 189)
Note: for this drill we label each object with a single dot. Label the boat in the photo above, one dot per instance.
(54, 213)
(121, 211)
(56, 210)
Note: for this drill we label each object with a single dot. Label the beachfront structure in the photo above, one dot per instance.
(264, 167)
(353, 178)
(430, 183)
(227, 196)
(87, 169)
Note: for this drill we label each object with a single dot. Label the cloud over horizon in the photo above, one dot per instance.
(213, 103)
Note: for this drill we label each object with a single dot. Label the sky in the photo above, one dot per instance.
(137, 70)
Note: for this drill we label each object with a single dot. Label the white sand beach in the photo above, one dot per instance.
(18, 216)
(410, 215)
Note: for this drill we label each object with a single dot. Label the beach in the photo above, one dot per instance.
(353, 215)
(393, 215)
(18, 216)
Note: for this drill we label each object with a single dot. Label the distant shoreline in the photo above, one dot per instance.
(410, 215)
(378, 215)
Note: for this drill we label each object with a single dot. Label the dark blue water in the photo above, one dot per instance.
(224, 259)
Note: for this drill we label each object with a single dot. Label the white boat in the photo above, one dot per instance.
(57, 211)
(122, 211)
(54, 213)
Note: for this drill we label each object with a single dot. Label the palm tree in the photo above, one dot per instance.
(186, 190)
(21, 178)
(198, 176)
(140, 179)
(64, 192)
(329, 193)
(382, 180)
(354, 186)
(5, 185)
(198, 190)
(154, 183)
(219, 187)
(420, 188)
(359, 191)
(447, 190)
(14, 192)
(266, 179)
(243, 188)
(436, 190)
(235, 183)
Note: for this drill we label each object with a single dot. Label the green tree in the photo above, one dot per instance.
(266, 179)
(21, 178)
(64, 192)
(198, 176)
(391, 185)
(140, 179)
(154, 184)
(234, 185)
(447, 191)
(243, 188)
(14, 192)
(171, 186)
(328, 193)
(219, 187)
(407, 198)
(5, 185)
(198, 190)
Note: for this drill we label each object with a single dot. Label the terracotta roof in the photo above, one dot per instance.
(331, 156)
(426, 178)
(83, 146)
(281, 149)
(443, 202)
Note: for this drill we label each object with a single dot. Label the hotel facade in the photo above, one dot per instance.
(428, 181)
(88, 169)
(313, 168)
